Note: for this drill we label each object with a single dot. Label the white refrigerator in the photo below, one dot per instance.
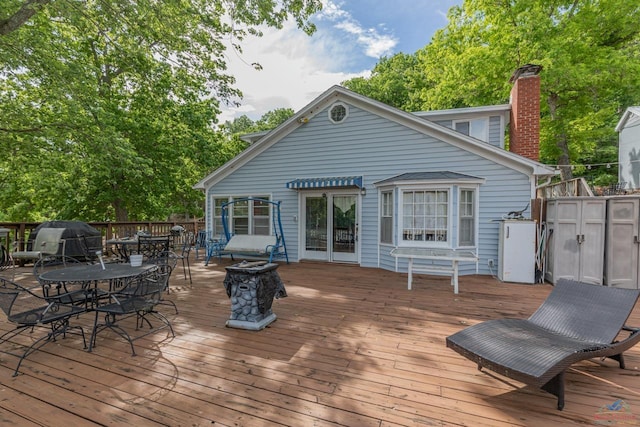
(517, 251)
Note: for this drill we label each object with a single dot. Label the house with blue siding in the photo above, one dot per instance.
(628, 129)
(357, 178)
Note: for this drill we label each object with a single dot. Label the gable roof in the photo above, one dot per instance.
(410, 120)
(631, 113)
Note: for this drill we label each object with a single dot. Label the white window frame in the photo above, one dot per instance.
(387, 208)
(330, 112)
(251, 223)
(450, 217)
(476, 206)
(482, 136)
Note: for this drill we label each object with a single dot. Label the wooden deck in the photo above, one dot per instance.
(351, 347)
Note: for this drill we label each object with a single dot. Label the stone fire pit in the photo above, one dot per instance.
(251, 287)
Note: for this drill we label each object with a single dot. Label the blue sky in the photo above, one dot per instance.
(352, 35)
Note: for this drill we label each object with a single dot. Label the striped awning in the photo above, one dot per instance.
(327, 182)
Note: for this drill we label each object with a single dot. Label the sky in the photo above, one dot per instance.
(351, 36)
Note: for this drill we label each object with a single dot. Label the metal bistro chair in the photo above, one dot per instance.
(166, 262)
(137, 299)
(75, 293)
(184, 255)
(150, 246)
(28, 311)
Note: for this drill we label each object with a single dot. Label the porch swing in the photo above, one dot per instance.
(272, 246)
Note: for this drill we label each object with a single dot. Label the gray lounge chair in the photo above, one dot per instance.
(576, 322)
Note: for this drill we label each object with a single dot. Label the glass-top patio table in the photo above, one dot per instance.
(435, 254)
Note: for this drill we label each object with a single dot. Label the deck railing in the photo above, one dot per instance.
(19, 231)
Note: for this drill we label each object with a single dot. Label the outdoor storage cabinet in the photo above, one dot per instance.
(576, 239)
(621, 256)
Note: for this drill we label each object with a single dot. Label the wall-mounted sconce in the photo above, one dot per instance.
(363, 191)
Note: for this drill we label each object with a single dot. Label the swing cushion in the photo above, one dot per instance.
(251, 244)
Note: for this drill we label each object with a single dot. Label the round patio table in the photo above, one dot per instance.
(95, 272)
(104, 281)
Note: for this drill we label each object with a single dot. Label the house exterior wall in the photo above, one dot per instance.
(376, 148)
(629, 153)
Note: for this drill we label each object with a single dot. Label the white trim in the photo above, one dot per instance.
(425, 243)
(503, 109)
(330, 112)
(631, 111)
(476, 216)
(468, 120)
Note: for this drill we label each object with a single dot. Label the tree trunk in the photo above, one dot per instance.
(22, 15)
(121, 212)
(564, 161)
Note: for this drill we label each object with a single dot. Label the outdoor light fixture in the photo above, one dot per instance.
(363, 191)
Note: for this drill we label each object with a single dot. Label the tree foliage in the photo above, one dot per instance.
(243, 125)
(589, 50)
(108, 107)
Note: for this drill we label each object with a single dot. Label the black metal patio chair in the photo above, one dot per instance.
(188, 243)
(29, 311)
(166, 262)
(75, 292)
(137, 299)
(576, 322)
(150, 246)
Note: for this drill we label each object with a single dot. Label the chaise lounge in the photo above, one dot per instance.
(576, 322)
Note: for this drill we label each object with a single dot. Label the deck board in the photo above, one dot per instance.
(351, 347)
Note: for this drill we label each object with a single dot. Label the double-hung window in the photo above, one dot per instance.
(386, 218)
(467, 218)
(244, 216)
(425, 216)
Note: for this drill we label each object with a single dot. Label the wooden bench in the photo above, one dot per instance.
(252, 245)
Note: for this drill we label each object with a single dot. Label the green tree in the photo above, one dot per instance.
(589, 51)
(243, 125)
(274, 118)
(397, 80)
(108, 108)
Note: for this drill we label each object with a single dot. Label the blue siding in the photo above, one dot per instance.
(376, 148)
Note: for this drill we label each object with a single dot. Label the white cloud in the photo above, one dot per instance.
(375, 44)
(296, 68)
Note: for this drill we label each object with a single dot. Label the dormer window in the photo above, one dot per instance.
(477, 128)
(338, 113)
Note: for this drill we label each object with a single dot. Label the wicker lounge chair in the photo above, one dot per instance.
(576, 322)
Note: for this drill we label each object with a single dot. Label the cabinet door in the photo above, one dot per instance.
(622, 247)
(592, 241)
(565, 251)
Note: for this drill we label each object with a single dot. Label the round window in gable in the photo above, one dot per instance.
(338, 112)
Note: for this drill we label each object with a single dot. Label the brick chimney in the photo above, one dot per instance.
(524, 126)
